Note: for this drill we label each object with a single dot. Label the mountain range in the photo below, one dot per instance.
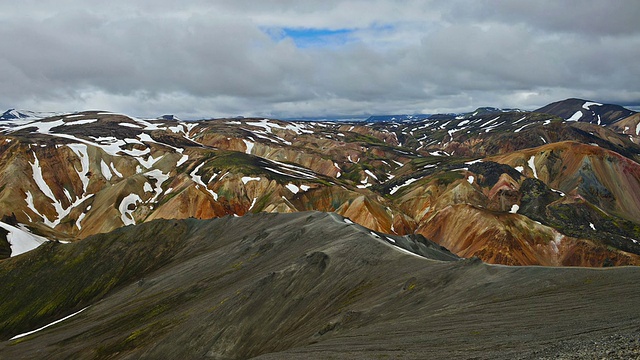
(510, 187)
(123, 237)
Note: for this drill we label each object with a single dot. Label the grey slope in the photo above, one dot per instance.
(304, 285)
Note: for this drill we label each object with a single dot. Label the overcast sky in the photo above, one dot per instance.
(285, 58)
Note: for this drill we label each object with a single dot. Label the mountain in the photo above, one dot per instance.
(510, 187)
(586, 111)
(398, 118)
(307, 285)
(13, 115)
(629, 126)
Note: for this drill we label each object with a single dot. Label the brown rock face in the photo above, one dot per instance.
(551, 193)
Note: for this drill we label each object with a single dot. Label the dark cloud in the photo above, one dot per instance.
(201, 58)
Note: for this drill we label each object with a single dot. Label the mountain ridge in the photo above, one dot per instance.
(303, 285)
(92, 172)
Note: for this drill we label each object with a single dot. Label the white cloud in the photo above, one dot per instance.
(202, 59)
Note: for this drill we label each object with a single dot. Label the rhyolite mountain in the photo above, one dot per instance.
(306, 285)
(586, 111)
(508, 186)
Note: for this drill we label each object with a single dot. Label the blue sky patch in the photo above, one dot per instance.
(313, 37)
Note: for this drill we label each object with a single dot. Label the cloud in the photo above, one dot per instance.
(201, 59)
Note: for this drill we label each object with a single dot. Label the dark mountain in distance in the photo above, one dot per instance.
(586, 111)
(398, 118)
(13, 114)
(333, 118)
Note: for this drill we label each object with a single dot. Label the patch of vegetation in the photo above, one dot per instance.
(85, 270)
(583, 220)
(353, 137)
(261, 203)
(355, 293)
(447, 177)
(247, 164)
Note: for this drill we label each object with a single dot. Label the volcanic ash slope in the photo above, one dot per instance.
(303, 285)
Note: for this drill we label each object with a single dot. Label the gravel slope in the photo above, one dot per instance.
(311, 286)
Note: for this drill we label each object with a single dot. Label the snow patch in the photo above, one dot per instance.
(576, 116)
(371, 174)
(520, 128)
(294, 171)
(249, 146)
(79, 220)
(80, 122)
(160, 178)
(147, 187)
(198, 180)
(126, 212)
(130, 125)
(81, 152)
(115, 171)
(253, 203)
(21, 241)
(293, 188)
(470, 179)
(182, 160)
(39, 180)
(246, 179)
(532, 165)
(106, 172)
(514, 208)
(149, 162)
(397, 187)
(588, 104)
(61, 211)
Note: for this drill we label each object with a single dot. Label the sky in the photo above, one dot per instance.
(284, 58)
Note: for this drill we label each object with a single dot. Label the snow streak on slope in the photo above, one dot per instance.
(198, 180)
(160, 178)
(249, 146)
(48, 325)
(398, 187)
(106, 172)
(81, 152)
(532, 165)
(576, 116)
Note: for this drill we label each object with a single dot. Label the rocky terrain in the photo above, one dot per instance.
(128, 238)
(508, 186)
(307, 285)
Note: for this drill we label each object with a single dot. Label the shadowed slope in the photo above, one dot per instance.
(303, 285)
